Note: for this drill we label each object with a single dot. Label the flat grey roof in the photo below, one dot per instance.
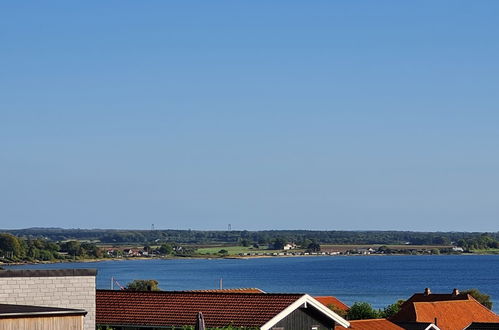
(16, 311)
(48, 272)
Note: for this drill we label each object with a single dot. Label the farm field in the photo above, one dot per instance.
(235, 250)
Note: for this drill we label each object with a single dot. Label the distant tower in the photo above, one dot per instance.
(229, 227)
(152, 226)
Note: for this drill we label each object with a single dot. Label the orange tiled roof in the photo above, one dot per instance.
(167, 308)
(450, 315)
(330, 300)
(372, 324)
(236, 290)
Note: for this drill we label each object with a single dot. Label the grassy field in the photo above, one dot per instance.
(489, 251)
(234, 250)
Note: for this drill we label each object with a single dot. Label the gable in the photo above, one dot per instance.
(306, 301)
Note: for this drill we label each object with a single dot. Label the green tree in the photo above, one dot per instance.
(392, 309)
(435, 251)
(143, 285)
(10, 245)
(71, 247)
(223, 252)
(482, 298)
(313, 247)
(165, 249)
(361, 311)
(278, 243)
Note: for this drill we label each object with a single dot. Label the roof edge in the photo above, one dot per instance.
(48, 272)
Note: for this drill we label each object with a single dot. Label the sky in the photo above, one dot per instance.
(326, 115)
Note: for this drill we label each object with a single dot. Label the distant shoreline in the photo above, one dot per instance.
(232, 257)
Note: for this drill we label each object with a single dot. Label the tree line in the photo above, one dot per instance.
(467, 240)
(14, 248)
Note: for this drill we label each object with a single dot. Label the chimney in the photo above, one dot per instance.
(427, 291)
(455, 292)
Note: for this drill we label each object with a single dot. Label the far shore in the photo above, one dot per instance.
(93, 260)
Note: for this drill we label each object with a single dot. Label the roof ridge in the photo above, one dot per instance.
(204, 292)
(449, 301)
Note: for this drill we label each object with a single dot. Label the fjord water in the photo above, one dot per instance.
(379, 280)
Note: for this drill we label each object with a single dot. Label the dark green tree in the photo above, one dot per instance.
(245, 242)
(392, 309)
(361, 311)
(278, 243)
(10, 245)
(72, 248)
(314, 247)
(165, 249)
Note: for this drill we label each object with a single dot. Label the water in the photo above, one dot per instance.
(379, 280)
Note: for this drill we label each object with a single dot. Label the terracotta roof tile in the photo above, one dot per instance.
(180, 308)
(450, 315)
(330, 300)
(372, 324)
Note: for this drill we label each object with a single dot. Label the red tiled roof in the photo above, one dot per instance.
(330, 300)
(236, 290)
(150, 308)
(450, 315)
(372, 324)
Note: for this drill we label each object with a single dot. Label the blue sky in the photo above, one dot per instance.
(262, 114)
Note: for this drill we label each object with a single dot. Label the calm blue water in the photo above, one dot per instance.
(379, 280)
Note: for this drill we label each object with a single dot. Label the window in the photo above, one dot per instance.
(315, 327)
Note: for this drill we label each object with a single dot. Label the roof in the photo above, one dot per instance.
(373, 324)
(236, 290)
(47, 272)
(177, 308)
(445, 313)
(330, 300)
(8, 311)
(418, 326)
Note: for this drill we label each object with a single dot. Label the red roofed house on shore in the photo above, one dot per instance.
(123, 310)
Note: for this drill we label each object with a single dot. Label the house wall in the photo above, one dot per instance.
(305, 319)
(43, 323)
(68, 288)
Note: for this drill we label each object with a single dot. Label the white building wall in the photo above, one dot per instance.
(69, 288)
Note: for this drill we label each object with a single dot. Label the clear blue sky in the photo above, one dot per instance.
(261, 114)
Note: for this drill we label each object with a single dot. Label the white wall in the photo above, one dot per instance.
(44, 288)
